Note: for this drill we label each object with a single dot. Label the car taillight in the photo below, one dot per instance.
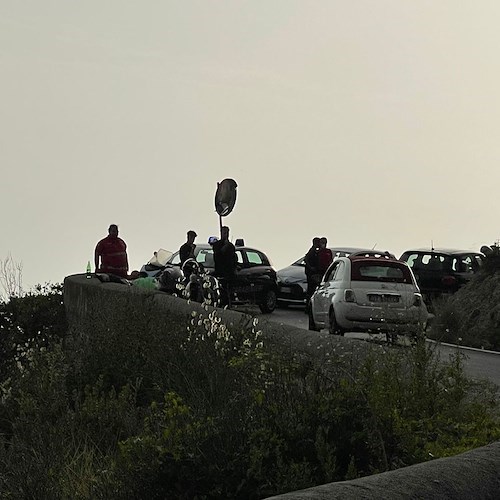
(349, 295)
(417, 299)
(449, 280)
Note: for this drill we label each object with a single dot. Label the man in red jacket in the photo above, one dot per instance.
(112, 252)
(325, 256)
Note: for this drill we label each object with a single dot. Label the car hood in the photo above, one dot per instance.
(291, 274)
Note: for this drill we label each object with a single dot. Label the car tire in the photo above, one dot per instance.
(333, 326)
(312, 324)
(268, 304)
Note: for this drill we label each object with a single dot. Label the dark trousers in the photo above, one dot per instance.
(313, 280)
(225, 290)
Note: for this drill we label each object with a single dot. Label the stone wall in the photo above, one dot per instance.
(475, 474)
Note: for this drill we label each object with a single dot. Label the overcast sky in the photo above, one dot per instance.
(370, 122)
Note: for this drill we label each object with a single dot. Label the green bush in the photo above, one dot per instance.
(29, 323)
(199, 410)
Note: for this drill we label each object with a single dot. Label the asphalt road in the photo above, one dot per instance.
(479, 365)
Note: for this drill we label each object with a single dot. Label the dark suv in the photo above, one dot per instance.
(441, 271)
(256, 280)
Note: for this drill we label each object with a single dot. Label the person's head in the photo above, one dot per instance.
(224, 233)
(113, 230)
(191, 235)
(323, 242)
(315, 242)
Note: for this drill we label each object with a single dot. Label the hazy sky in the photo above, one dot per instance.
(369, 122)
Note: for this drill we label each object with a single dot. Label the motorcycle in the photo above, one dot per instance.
(198, 285)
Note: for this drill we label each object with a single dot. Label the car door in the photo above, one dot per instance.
(255, 273)
(327, 289)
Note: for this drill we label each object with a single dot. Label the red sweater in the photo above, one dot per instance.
(325, 258)
(113, 254)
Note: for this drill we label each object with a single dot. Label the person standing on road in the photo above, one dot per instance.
(325, 256)
(110, 255)
(186, 251)
(311, 261)
(225, 262)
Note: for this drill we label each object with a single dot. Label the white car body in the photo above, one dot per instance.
(292, 279)
(368, 294)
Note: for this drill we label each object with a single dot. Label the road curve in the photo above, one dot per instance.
(479, 365)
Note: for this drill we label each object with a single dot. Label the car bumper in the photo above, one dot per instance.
(291, 294)
(367, 318)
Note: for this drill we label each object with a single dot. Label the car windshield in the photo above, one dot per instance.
(203, 256)
(383, 271)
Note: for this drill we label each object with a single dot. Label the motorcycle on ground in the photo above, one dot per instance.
(198, 285)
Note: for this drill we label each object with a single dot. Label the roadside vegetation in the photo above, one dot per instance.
(194, 410)
(471, 316)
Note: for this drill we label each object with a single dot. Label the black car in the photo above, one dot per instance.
(441, 271)
(292, 279)
(256, 280)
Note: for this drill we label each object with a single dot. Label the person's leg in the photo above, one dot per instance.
(224, 292)
(309, 291)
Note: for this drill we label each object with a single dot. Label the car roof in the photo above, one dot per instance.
(206, 246)
(352, 250)
(448, 251)
(348, 251)
(375, 260)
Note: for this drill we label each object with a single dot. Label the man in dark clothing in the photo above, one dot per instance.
(311, 261)
(186, 251)
(225, 262)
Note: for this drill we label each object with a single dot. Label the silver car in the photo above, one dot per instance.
(369, 294)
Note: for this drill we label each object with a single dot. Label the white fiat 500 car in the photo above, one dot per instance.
(368, 294)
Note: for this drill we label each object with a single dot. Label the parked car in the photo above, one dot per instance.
(368, 294)
(256, 279)
(292, 281)
(441, 271)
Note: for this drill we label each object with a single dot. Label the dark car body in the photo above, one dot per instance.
(442, 271)
(292, 282)
(256, 279)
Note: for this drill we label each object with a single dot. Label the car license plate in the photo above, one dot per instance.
(391, 299)
(248, 289)
(286, 289)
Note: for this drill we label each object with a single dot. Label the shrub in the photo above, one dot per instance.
(199, 410)
(29, 323)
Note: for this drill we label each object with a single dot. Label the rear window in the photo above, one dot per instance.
(433, 262)
(391, 272)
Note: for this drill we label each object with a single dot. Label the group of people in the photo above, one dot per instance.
(110, 255)
(317, 260)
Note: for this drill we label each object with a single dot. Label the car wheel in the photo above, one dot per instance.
(333, 326)
(312, 324)
(268, 305)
